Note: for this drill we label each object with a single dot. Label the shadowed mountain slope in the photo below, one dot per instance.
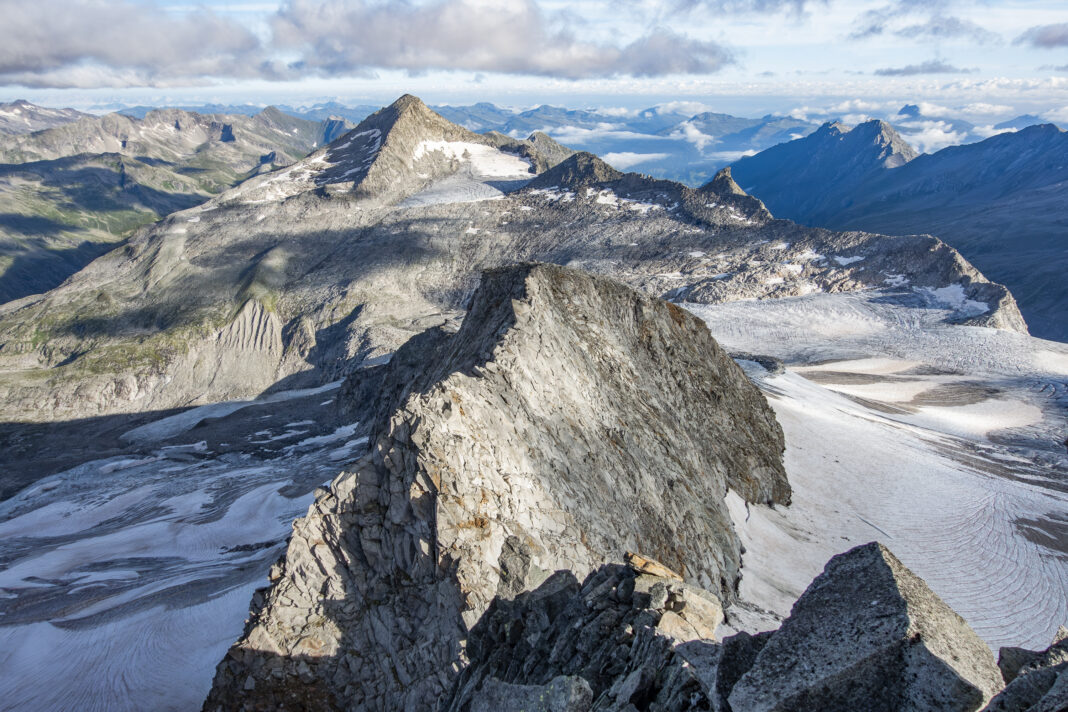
(1000, 202)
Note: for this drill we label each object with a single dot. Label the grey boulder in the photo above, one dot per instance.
(1037, 680)
(868, 634)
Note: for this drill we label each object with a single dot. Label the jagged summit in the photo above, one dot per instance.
(824, 162)
(896, 151)
(532, 440)
(581, 169)
(724, 184)
(403, 150)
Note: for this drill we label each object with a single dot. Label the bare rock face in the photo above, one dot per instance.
(1037, 681)
(571, 419)
(869, 634)
(1015, 661)
(626, 636)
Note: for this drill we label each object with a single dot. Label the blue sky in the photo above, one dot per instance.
(986, 60)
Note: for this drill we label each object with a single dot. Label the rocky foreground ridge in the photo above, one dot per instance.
(569, 422)
(570, 419)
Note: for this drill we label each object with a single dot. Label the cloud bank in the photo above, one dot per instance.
(1045, 36)
(67, 43)
(931, 66)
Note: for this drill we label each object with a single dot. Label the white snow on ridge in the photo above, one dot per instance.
(843, 261)
(485, 161)
(953, 296)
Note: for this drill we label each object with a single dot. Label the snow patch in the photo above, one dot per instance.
(485, 161)
(954, 297)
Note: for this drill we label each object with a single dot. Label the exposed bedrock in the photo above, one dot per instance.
(868, 634)
(569, 420)
(1036, 680)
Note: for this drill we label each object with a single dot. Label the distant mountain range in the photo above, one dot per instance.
(69, 193)
(667, 141)
(19, 117)
(659, 141)
(1000, 201)
(76, 188)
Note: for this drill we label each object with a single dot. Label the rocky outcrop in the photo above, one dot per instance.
(869, 634)
(581, 169)
(1014, 661)
(626, 636)
(569, 420)
(1037, 681)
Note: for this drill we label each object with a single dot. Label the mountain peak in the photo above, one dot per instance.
(724, 184)
(579, 170)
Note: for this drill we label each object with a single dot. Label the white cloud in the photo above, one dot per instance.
(689, 108)
(509, 36)
(625, 159)
(688, 132)
(101, 42)
(1058, 116)
(931, 136)
(989, 130)
(986, 109)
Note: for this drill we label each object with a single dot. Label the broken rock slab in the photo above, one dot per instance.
(1037, 679)
(868, 634)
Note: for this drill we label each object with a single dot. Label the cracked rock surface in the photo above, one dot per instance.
(569, 420)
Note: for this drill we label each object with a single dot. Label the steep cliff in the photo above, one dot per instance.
(570, 419)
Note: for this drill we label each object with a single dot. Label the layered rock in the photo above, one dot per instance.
(869, 634)
(569, 420)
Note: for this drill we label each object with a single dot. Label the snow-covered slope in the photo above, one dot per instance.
(940, 441)
(937, 439)
(21, 117)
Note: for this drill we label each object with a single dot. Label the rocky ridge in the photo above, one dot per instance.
(537, 447)
(21, 117)
(568, 420)
(72, 192)
(383, 233)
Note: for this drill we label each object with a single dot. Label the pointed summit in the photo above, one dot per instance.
(723, 184)
(393, 154)
(895, 152)
(579, 170)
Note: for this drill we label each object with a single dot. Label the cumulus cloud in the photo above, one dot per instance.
(1045, 36)
(931, 66)
(626, 159)
(510, 36)
(64, 43)
(931, 136)
(688, 132)
(87, 43)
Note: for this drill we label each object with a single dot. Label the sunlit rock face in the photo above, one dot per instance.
(569, 419)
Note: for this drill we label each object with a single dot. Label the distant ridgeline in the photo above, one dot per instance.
(73, 185)
(1000, 201)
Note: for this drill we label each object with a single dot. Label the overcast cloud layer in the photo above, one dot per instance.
(510, 36)
(613, 46)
